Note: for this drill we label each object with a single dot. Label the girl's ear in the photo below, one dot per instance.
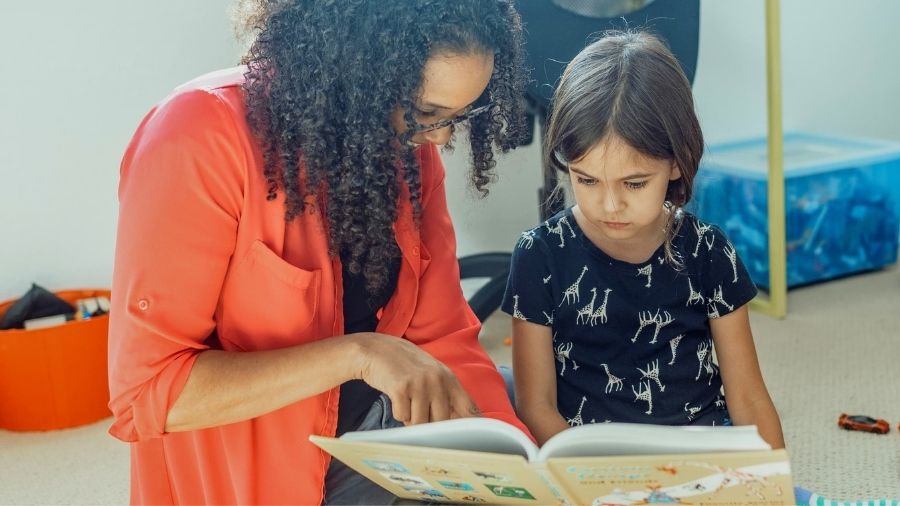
(676, 172)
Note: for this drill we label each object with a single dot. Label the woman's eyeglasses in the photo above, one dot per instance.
(480, 107)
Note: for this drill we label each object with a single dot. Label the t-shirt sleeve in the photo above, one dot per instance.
(726, 283)
(528, 293)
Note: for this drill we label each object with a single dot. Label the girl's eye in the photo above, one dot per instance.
(635, 185)
(586, 181)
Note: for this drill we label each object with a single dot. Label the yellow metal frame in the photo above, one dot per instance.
(776, 304)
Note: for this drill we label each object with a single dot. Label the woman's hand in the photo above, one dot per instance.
(421, 388)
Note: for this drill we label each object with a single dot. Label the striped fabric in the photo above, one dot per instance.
(805, 497)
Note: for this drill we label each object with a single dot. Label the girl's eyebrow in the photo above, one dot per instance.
(581, 172)
(636, 175)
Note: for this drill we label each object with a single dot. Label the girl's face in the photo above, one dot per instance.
(620, 191)
(451, 83)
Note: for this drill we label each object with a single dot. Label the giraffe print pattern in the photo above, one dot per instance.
(613, 382)
(646, 318)
(694, 297)
(634, 337)
(584, 314)
(573, 289)
(587, 315)
(652, 372)
(704, 359)
(516, 313)
(526, 240)
(576, 420)
(732, 257)
(646, 270)
(643, 393)
(702, 229)
(549, 317)
(563, 350)
(716, 302)
(559, 230)
(673, 345)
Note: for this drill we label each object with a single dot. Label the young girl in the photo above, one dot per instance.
(619, 302)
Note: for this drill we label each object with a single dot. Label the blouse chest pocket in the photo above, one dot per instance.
(267, 302)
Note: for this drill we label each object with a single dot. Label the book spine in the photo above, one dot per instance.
(563, 496)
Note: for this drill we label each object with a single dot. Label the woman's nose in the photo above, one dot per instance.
(439, 136)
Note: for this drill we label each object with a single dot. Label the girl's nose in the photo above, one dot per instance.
(611, 202)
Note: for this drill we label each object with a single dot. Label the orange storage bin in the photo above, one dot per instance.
(54, 377)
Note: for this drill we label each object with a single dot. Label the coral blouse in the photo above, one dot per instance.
(200, 251)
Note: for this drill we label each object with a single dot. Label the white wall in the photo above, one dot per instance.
(839, 66)
(76, 79)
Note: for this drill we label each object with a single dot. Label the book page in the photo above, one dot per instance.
(729, 478)
(475, 434)
(441, 475)
(642, 439)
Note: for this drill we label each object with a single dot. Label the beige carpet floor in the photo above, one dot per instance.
(837, 351)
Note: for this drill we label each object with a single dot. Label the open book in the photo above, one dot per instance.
(482, 460)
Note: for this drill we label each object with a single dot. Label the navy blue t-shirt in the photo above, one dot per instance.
(632, 341)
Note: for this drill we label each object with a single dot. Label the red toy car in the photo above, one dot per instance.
(863, 423)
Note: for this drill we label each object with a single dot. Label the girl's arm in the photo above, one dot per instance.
(745, 391)
(535, 375)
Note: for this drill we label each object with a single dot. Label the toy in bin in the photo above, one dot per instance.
(841, 204)
(863, 423)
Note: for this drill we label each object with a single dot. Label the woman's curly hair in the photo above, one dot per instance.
(323, 79)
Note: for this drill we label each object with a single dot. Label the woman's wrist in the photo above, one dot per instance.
(354, 347)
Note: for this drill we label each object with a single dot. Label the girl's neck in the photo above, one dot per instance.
(635, 250)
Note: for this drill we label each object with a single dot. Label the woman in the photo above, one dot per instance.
(285, 262)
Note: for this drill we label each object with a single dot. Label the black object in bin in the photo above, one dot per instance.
(37, 302)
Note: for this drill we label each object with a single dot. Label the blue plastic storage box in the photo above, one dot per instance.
(842, 201)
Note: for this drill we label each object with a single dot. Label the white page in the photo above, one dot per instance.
(474, 434)
(607, 439)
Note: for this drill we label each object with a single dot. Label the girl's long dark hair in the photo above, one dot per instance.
(323, 79)
(629, 84)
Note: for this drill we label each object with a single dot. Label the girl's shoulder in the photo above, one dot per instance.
(552, 241)
(694, 237)
(561, 222)
(712, 261)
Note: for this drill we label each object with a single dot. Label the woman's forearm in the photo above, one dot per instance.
(226, 387)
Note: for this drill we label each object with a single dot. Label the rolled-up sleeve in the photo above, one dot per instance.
(181, 189)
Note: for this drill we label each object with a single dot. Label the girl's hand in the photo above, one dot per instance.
(421, 388)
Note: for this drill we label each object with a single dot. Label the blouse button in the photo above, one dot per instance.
(415, 250)
(143, 305)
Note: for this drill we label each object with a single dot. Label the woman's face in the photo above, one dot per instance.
(451, 82)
